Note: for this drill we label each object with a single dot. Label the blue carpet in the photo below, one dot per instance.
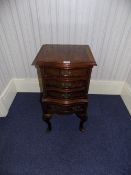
(27, 149)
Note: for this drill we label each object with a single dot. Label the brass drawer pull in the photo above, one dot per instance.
(66, 85)
(66, 95)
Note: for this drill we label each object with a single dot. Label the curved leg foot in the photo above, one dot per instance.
(47, 120)
(83, 119)
(81, 127)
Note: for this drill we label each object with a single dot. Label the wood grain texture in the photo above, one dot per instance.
(65, 54)
(26, 25)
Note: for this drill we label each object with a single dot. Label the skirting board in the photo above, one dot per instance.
(27, 85)
(32, 85)
(7, 98)
(126, 96)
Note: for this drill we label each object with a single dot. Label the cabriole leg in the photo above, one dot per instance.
(83, 119)
(47, 118)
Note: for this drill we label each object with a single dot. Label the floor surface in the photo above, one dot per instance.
(104, 149)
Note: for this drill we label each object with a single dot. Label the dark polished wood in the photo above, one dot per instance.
(65, 72)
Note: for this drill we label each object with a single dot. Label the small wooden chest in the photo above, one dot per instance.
(65, 72)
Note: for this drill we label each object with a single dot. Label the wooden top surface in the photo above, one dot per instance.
(65, 54)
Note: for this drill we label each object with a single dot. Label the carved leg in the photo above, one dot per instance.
(47, 118)
(83, 118)
(81, 127)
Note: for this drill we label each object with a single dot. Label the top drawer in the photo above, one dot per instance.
(55, 72)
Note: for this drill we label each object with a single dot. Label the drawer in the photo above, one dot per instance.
(50, 83)
(55, 108)
(73, 72)
(65, 95)
(49, 71)
(55, 72)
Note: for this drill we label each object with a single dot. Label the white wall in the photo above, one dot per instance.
(5, 71)
(6, 96)
(27, 24)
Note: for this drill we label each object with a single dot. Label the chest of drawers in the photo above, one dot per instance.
(65, 71)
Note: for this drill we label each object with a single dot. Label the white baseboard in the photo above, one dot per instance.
(106, 87)
(3, 110)
(32, 85)
(7, 98)
(126, 96)
(27, 85)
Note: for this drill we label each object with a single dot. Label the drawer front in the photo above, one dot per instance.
(54, 72)
(77, 108)
(65, 95)
(51, 72)
(50, 83)
(73, 72)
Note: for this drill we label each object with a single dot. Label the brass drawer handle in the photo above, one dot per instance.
(66, 72)
(66, 85)
(66, 95)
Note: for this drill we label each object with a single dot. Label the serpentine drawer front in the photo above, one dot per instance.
(65, 84)
(61, 109)
(65, 72)
(62, 94)
(50, 71)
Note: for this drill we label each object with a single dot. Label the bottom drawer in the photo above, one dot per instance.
(57, 108)
(65, 95)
